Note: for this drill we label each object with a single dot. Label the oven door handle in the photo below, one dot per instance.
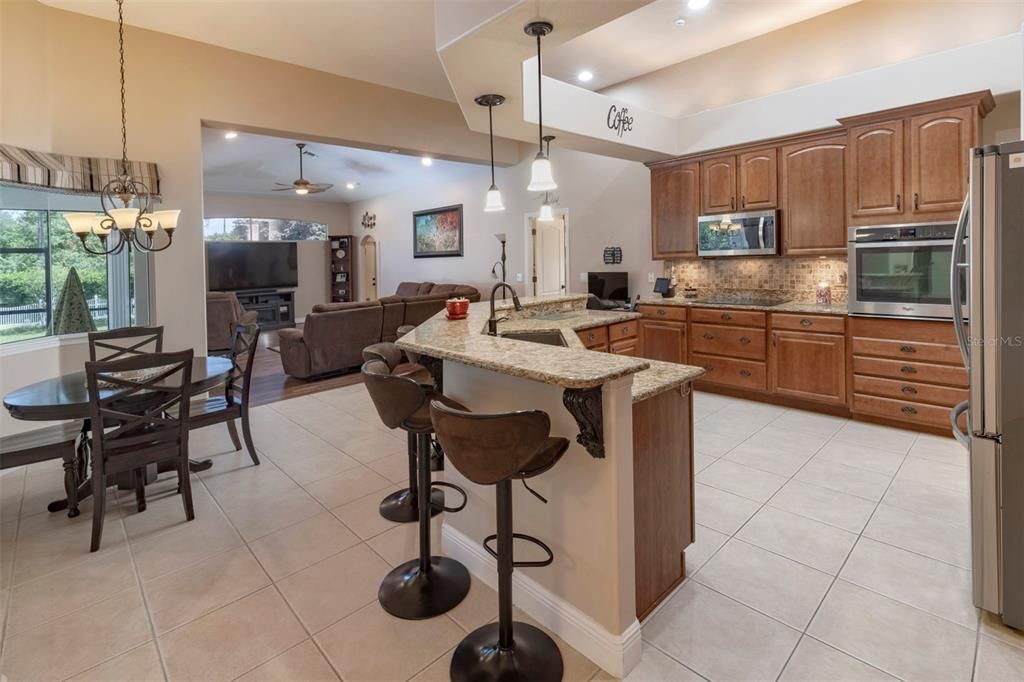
(955, 290)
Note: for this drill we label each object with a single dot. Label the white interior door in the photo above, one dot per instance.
(368, 278)
(548, 247)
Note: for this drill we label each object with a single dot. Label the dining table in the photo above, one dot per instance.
(66, 398)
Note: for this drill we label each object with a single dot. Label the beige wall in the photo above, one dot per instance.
(314, 256)
(865, 35)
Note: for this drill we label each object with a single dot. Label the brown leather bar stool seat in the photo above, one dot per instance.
(495, 449)
(430, 585)
(403, 506)
(402, 331)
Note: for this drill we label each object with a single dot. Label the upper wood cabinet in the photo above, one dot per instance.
(875, 171)
(813, 187)
(938, 159)
(758, 180)
(718, 185)
(675, 204)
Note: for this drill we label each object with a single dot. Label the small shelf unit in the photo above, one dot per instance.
(342, 271)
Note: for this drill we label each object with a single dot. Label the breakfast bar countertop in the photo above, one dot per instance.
(571, 366)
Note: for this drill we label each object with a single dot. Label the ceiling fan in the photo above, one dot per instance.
(302, 185)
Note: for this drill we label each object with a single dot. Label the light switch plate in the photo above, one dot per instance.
(519, 277)
(650, 278)
(583, 277)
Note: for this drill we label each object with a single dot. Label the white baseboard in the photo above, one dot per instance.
(617, 654)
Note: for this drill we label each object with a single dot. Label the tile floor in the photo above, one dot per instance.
(826, 550)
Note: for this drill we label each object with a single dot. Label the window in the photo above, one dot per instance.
(262, 229)
(37, 252)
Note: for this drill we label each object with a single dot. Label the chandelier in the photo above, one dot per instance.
(134, 222)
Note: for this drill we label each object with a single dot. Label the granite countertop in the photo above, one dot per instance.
(572, 366)
(787, 307)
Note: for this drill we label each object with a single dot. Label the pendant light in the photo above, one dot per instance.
(547, 213)
(541, 179)
(135, 223)
(493, 203)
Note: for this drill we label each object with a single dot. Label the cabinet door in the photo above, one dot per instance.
(814, 197)
(630, 347)
(758, 180)
(718, 185)
(875, 172)
(663, 340)
(939, 145)
(675, 203)
(808, 366)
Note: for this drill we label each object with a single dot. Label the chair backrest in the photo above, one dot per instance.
(488, 448)
(396, 398)
(125, 342)
(143, 403)
(386, 352)
(245, 341)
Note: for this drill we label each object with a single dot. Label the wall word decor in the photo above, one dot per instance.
(612, 255)
(619, 120)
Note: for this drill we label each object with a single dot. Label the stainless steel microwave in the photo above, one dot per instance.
(738, 234)
(901, 270)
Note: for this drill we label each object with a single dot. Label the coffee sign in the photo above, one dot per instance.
(619, 120)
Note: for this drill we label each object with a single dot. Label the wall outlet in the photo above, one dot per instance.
(519, 277)
(583, 277)
(650, 278)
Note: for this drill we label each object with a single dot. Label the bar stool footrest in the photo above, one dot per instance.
(522, 564)
(443, 484)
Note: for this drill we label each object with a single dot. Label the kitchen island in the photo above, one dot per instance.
(620, 502)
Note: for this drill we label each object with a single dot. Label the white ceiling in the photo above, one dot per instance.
(251, 164)
(388, 42)
(647, 39)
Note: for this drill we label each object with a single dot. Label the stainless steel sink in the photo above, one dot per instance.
(546, 338)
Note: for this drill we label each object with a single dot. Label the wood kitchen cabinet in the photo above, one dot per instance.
(813, 197)
(757, 179)
(675, 205)
(718, 185)
(939, 144)
(808, 366)
(875, 172)
(663, 340)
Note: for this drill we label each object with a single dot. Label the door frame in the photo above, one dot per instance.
(563, 213)
(361, 266)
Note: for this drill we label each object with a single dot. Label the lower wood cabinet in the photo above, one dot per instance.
(808, 366)
(629, 347)
(663, 340)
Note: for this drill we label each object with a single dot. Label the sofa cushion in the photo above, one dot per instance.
(444, 289)
(408, 288)
(352, 305)
(425, 288)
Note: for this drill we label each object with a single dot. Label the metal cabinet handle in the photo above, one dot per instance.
(907, 349)
(708, 336)
(744, 372)
(625, 330)
(916, 204)
(726, 316)
(907, 409)
(709, 368)
(907, 369)
(732, 202)
(743, 201)
(744, 340)
(909, 389)
(661, 311)
(899, 202)
(591, 337)
(805, 322)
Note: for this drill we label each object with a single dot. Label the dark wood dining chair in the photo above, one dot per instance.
(143, 403)
(234, 404)
(125, 342)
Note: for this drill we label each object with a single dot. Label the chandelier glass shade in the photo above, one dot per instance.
(546, 213)
(541, 177)
(127, 218)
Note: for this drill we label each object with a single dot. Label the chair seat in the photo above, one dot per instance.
(211, 410)
(414, 371)
(420, 422)
(38, 445)
(546, 457)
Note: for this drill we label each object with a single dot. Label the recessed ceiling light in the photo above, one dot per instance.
(679, 22)
(350, 185)
(585, 76)
(426, 161)
(230, 135)
(698, 4)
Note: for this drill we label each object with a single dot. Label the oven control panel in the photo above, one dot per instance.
(903, 233)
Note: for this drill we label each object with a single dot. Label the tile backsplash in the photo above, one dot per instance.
(794, 277)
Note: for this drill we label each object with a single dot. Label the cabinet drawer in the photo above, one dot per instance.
(741, 318)
(731, 372)
(732, 341)
(912, 371)
(623, 330)
(908, 390)
(903, 410)
(809, 323)
(663, 312)
(630, 346)
(597, 336)
(908, 350)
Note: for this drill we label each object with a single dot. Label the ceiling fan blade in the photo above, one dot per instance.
(283, 189)
(282, 184)
(320, 186)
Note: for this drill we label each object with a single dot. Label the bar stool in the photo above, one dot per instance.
(494, 449)
(402, 331)
(430, 585)
(403, 506)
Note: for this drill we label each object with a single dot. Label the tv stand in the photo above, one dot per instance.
(275, 309)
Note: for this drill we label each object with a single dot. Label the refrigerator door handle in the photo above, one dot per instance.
(955, 279)
(960, 435)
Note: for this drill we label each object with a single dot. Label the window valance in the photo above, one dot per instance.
(71, 174)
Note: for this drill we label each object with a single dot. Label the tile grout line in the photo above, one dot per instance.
(11, 585)
(145, 602)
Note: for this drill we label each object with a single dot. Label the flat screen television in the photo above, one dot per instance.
(240, 266)
(609, 286)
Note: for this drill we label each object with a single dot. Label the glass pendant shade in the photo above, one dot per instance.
(166, 219)
(494, 200)
(546, 214)
(541, 179)
(124, 218)
(82, 223)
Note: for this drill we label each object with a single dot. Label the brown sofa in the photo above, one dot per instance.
(335, 334)
(223, 312)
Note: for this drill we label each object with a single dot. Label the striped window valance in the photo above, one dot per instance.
(71, 174)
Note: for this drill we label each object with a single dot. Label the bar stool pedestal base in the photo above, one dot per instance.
(401, 506)
(534, 657)
(409, 593)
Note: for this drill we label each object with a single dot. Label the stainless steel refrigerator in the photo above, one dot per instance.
(988, 261)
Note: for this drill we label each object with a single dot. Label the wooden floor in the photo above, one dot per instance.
(270, 383)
